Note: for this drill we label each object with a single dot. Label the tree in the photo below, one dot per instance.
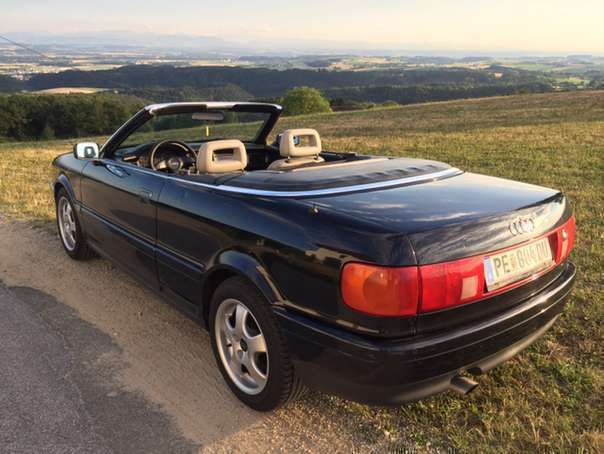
(304, 100)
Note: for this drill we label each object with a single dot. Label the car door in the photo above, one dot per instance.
(119, 214)
(186, 239)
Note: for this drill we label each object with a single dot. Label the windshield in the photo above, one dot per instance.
(199, 127)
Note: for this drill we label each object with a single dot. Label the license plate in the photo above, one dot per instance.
(516, 264)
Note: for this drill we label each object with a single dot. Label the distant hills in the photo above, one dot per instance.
(264, 82)
(120, 39)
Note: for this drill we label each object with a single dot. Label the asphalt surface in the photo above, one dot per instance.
(58, 389)
(91, 361)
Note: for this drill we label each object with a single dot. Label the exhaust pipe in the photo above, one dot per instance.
(462, 385)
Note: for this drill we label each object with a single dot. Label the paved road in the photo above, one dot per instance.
(58, 391)
(90, 361)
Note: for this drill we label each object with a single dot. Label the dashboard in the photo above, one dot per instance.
(170, 156)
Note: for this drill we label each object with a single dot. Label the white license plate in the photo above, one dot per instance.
(516, 264)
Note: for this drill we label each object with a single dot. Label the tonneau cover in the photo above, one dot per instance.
(329, 176)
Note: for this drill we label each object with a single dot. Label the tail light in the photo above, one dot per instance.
(379, 290)
(403, 291)
(564, 240)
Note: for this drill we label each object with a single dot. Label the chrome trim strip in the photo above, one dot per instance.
(331, 191)
(451, 172)
(345, 189)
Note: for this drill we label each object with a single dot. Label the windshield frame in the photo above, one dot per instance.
(151, 111)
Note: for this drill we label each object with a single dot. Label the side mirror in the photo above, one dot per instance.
(297, 140)
(86, 150)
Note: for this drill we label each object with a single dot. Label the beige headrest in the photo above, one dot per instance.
(309, 137)
(221, 156)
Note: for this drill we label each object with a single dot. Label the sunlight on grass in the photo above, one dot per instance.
(550, 398)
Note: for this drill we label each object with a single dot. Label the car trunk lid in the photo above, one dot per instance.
(456, 217)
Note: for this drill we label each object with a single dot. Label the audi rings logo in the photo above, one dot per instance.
(522, 225)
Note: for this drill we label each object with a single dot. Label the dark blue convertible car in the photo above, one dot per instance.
(379, 279)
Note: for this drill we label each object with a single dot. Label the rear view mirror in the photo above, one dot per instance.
(208, 116)
(86, 150)
(297, 140)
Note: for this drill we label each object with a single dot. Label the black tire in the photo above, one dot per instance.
(282, 385)
(80, 250)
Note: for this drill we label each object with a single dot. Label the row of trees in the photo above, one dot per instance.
(426, 93)
(227, 92)
(28, 116)
(24, 116)
(9, 84)
(264, 82)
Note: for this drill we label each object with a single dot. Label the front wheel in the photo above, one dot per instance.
(249, 348)
(70, 230)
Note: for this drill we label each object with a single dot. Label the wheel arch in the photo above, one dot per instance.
(62, 182)
(236, 263)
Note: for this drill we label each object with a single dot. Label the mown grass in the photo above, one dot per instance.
(549, 398)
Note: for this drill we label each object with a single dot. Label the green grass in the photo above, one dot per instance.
(549, 398)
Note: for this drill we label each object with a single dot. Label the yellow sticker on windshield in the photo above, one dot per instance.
(207, 131)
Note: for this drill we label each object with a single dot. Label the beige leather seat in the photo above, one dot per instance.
(221, 156)
(298, 155)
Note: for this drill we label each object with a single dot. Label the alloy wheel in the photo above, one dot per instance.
(67, 224)
(241, 346)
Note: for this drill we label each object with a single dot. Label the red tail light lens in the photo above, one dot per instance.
(390, 291)
(379, 290)
(451, 283)
(565, 240)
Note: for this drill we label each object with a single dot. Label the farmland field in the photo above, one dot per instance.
(550, 397)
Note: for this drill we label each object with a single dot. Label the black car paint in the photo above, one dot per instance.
(182, 239)
(391, 372)
(455, 217)
(119, 215)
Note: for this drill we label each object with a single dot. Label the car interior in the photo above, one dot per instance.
(293, 150)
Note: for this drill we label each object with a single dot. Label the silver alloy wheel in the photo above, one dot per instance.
(241, 346)
(67, 225)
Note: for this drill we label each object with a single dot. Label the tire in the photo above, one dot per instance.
(235, 296)
(70, 229)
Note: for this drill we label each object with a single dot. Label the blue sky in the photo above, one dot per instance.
(487, 25)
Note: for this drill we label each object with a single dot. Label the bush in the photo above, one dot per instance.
(304, 100)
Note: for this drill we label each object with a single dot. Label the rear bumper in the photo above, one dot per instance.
(391, 372)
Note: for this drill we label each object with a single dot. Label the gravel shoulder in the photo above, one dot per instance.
(145, 371)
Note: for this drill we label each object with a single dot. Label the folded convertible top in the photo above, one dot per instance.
(329, 176)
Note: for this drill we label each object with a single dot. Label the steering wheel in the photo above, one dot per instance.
(172, 162)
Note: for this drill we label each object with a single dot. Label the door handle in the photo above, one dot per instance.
(117, 171)
(145, 196)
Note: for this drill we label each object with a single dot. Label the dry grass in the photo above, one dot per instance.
(550, 398)
(25, 177)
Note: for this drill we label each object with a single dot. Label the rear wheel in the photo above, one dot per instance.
(249, 348)
(70, 229)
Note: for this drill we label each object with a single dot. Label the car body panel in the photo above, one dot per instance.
(68, 174)
(285, 238)
(119, 214)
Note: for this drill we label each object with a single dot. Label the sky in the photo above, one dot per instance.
(544, 26)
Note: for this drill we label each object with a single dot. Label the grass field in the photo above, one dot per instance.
(550, 398)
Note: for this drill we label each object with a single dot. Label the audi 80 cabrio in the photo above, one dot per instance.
(382, 280)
